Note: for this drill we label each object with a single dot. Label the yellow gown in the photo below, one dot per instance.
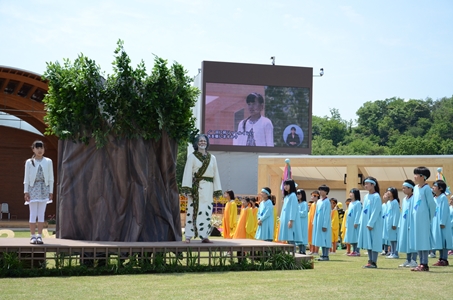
(241, 228)
(335, 225)
(311, 216)
(276, 226)
(229, 220)
(343, 225)
(254, 221)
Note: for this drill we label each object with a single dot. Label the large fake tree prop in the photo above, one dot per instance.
(118, 147)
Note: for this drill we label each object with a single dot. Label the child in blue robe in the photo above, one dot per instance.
(370, 232)
(290, 228)
(265, 217)
(404, 225)
(441, 224)
(420, 235)
(322, 227)
(385, 242)
(392, 220)
(303, 215)
(352, 222)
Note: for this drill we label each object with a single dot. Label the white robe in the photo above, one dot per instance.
(263, 133)
(205, 196)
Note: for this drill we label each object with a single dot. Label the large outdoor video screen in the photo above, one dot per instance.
(257, 108)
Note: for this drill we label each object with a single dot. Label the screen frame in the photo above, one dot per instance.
(261, 75)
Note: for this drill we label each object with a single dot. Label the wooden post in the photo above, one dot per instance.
(352, 177)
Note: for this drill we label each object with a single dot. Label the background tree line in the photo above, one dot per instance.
(388, 127)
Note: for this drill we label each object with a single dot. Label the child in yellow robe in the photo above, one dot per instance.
(335, 225)
(255, 216)
(230, 215)
(245, 226)
(343, 226)
(311, 215)
(245, 223)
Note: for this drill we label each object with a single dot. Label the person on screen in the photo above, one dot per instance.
(256, 130)
(293, 139)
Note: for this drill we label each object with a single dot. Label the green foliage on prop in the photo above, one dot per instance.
(82, 105)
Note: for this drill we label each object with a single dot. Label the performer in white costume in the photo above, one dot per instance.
(201, 182)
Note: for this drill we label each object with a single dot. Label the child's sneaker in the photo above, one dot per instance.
(383, 253)
(370, 265)
(323, 258)
(354, 254)
(39, 240)
(405, 264)
(33, 240)
(441, 263)
(393, 256)
(413, 264)
(450, 252)
(432, 255)
(421, 268)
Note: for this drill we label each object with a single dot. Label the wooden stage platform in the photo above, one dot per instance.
(96, 252)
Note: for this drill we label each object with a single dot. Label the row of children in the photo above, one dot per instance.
(296, 221)
(254, 222)
(424, 223)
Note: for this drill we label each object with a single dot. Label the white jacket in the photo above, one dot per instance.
(31, 171)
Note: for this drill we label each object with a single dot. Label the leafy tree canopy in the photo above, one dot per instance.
(81, 104)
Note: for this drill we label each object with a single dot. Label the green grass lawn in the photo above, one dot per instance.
(340, 278)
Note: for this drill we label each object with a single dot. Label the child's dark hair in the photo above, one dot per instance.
(334, 200)
(324, 188)
(268, 192)
(36, 144)
(409, 182)
(422, 171)
(356, 194)
(230, 193)
(302, 193)
(273, 199)
(252, 97)
(441, 185)
(292, 187)
(315, 193)
(394, 192)
(374, 182)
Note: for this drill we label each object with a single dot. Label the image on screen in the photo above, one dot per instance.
(257, 115)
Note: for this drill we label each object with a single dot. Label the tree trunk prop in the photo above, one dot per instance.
(125, 191)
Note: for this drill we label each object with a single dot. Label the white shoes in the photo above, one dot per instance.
(413, 264)
(407, 264)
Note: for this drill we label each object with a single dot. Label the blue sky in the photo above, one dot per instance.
(370, 50)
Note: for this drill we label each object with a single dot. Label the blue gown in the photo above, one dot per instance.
(404, 225)
(442, 237)
(266, 215)
(322, 220)
(385, 233)
(290, 212)
(392, 219)
(424, 207)
(371, 216)
(352, 234)
(451, 219)
(303, 214)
